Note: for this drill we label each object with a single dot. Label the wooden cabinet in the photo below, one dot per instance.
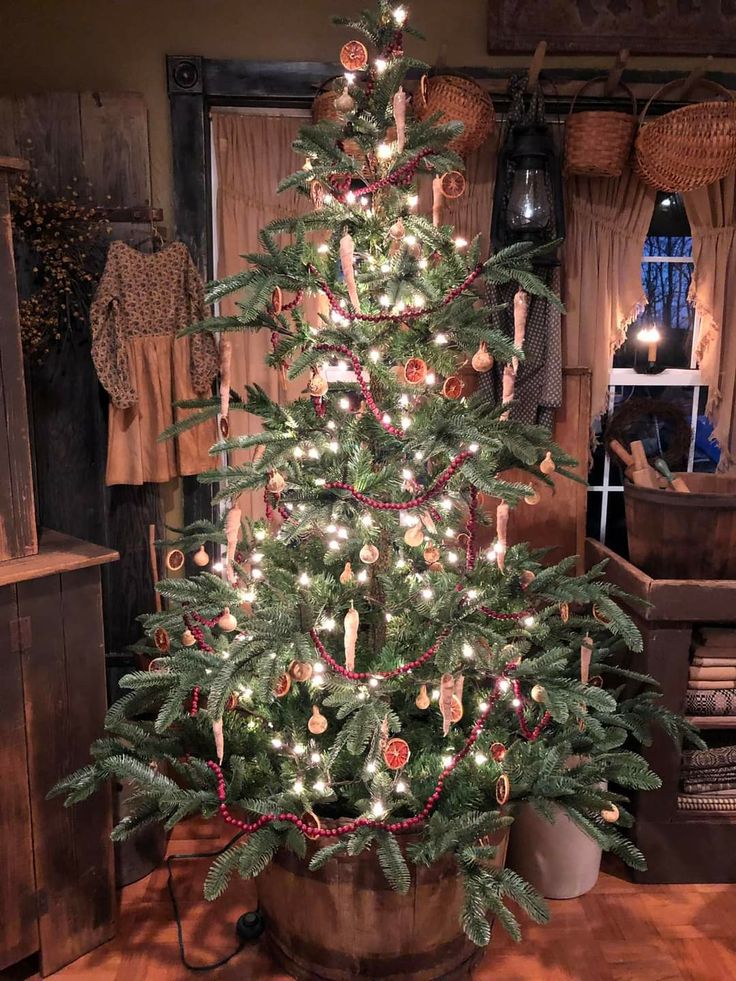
(17, 513)
(679, 845)
(57, 891)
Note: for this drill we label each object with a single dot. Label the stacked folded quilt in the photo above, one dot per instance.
(711, 688)
(709, 779)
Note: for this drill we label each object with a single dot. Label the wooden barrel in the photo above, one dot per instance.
(684, 536)
(344, 922)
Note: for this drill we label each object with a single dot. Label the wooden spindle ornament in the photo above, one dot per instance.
(438, 200)
(347, 260)
(226, 356)
(219, 735)
(399, 106)
(521, 312)
(447, 690)
(508, 387)
(232, 533)
(586, 652)
(352, 622)
(502, 526)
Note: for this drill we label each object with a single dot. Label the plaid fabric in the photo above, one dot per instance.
(538, 390)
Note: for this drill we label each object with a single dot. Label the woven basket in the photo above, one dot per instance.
(598, 143)
(323, 107)
(688, 147)
(457, 99)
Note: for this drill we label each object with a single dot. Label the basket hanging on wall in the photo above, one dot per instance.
(689, 147)
(457, 99)
(598, 142)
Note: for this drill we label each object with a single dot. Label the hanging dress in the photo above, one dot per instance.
(143, 300)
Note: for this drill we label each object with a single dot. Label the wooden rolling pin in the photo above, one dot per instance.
(641, 473)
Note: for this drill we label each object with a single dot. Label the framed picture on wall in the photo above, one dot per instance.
(688, 27)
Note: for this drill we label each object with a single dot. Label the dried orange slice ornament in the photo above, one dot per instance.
(503, 789)
(282, 686)
(174, 559)
(277, 300)
(415, 371)
(456, 712)
(453, 184)
(453, 387)
(396, 754)
(161, 640)
(498, 751)
(313, 822)
(353, 56)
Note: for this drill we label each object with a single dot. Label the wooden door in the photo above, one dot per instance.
(99, 140)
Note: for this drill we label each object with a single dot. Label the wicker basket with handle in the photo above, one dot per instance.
(457, 99)
(323, 107)
(688, 147)
(598, 142)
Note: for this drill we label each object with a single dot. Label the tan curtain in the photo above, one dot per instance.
(607, 222)
(253, 154)
(712, 214)
(470, 214)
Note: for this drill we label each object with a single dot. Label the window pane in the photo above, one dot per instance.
(666, 286)
(669, 218)
(616, 525)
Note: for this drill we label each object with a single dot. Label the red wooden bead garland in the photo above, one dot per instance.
(401, 175)
(409, 313)
(369, 400)
(366, 675)
(407, 824)
(415, 502)
(470, 552)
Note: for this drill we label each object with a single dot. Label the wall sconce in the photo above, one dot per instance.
(528, 200)
(651, 337)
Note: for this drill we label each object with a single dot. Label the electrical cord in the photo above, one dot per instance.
(248, 928)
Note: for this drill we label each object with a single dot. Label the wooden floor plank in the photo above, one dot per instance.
(621, 931)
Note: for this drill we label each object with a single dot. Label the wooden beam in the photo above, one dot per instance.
(616, 71)
(536, 66)
(14, 163)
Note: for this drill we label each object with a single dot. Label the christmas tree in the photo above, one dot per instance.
(360, 667)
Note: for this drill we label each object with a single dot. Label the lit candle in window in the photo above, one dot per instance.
(651, 337)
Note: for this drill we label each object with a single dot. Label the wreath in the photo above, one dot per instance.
(60, 244)
(648, 418)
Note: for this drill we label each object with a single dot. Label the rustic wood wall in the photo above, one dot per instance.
(101, 138)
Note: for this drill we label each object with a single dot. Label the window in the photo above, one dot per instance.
(666, 274)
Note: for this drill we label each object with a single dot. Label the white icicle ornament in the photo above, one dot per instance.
(352, 622)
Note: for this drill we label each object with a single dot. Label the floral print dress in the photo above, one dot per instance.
(143, 300)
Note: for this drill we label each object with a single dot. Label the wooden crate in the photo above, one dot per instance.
(679, 846)
(17, 512)
(57, 892)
